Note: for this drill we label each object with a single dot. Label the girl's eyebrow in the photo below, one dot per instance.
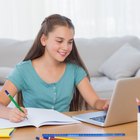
(63, 38)
(59, 38)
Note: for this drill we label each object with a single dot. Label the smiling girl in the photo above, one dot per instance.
(52, 75)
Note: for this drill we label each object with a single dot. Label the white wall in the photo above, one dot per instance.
(21, 19)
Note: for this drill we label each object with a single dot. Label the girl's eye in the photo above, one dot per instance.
(70, 42)
(59, 41)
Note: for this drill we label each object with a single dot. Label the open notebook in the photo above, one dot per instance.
(38, 117)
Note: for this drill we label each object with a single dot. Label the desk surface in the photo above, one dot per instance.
(29, 133)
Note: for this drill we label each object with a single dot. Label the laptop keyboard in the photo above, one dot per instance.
(99, 118)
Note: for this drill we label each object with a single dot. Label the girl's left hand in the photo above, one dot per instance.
(106, 105)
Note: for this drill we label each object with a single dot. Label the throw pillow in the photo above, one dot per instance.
(123, 63)
(4, 71)
(138, 73)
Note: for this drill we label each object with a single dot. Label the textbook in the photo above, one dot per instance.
(38, 117)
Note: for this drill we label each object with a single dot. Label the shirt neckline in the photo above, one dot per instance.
(40, 79)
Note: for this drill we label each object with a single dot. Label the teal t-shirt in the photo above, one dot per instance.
(39, 94)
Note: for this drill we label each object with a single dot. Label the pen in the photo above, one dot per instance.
(15, 103)
(84, 135)
(138, 103)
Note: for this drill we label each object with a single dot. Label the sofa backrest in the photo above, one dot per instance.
(95, 51)
(13, 51)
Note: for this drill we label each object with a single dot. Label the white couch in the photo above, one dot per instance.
(94, 53)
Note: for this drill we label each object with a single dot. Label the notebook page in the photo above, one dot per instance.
(7, 124)
(40, 117)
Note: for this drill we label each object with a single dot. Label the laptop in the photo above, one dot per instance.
(122, 107)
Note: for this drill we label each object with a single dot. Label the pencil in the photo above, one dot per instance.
(15, 103)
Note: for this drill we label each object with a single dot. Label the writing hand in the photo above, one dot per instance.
(15, 115)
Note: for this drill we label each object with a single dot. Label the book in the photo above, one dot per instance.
(7, 132)
(38, 117)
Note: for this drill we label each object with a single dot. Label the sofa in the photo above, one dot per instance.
(107, 59)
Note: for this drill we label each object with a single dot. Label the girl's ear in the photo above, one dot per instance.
(43, 40)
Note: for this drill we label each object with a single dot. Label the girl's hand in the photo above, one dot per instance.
(15, 115)
(106, 105)
(102, 104)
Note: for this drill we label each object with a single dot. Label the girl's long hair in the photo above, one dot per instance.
(37, 50)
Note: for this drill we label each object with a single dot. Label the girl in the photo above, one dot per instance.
(52, 74)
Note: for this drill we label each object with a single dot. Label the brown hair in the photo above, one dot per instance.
(38, 50)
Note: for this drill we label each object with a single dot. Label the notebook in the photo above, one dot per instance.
(5, 133)
(122, 108)
(38, 117)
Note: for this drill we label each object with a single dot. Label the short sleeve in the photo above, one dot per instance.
(80, 73)
(16, 78)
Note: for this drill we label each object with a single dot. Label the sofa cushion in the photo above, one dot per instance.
(4, 71)
(123, 63)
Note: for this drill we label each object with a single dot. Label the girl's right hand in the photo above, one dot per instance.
(15, 115)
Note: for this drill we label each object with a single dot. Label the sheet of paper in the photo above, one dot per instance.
(138, 126)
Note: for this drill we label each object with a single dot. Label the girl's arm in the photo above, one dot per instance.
(90, 95)
(13, 114)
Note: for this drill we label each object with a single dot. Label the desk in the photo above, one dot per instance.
(29, 133)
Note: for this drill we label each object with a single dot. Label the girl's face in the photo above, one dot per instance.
(59, 43)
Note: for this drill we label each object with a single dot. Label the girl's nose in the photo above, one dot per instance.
(65, 46)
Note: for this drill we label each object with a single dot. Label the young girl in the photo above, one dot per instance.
(52, 74)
